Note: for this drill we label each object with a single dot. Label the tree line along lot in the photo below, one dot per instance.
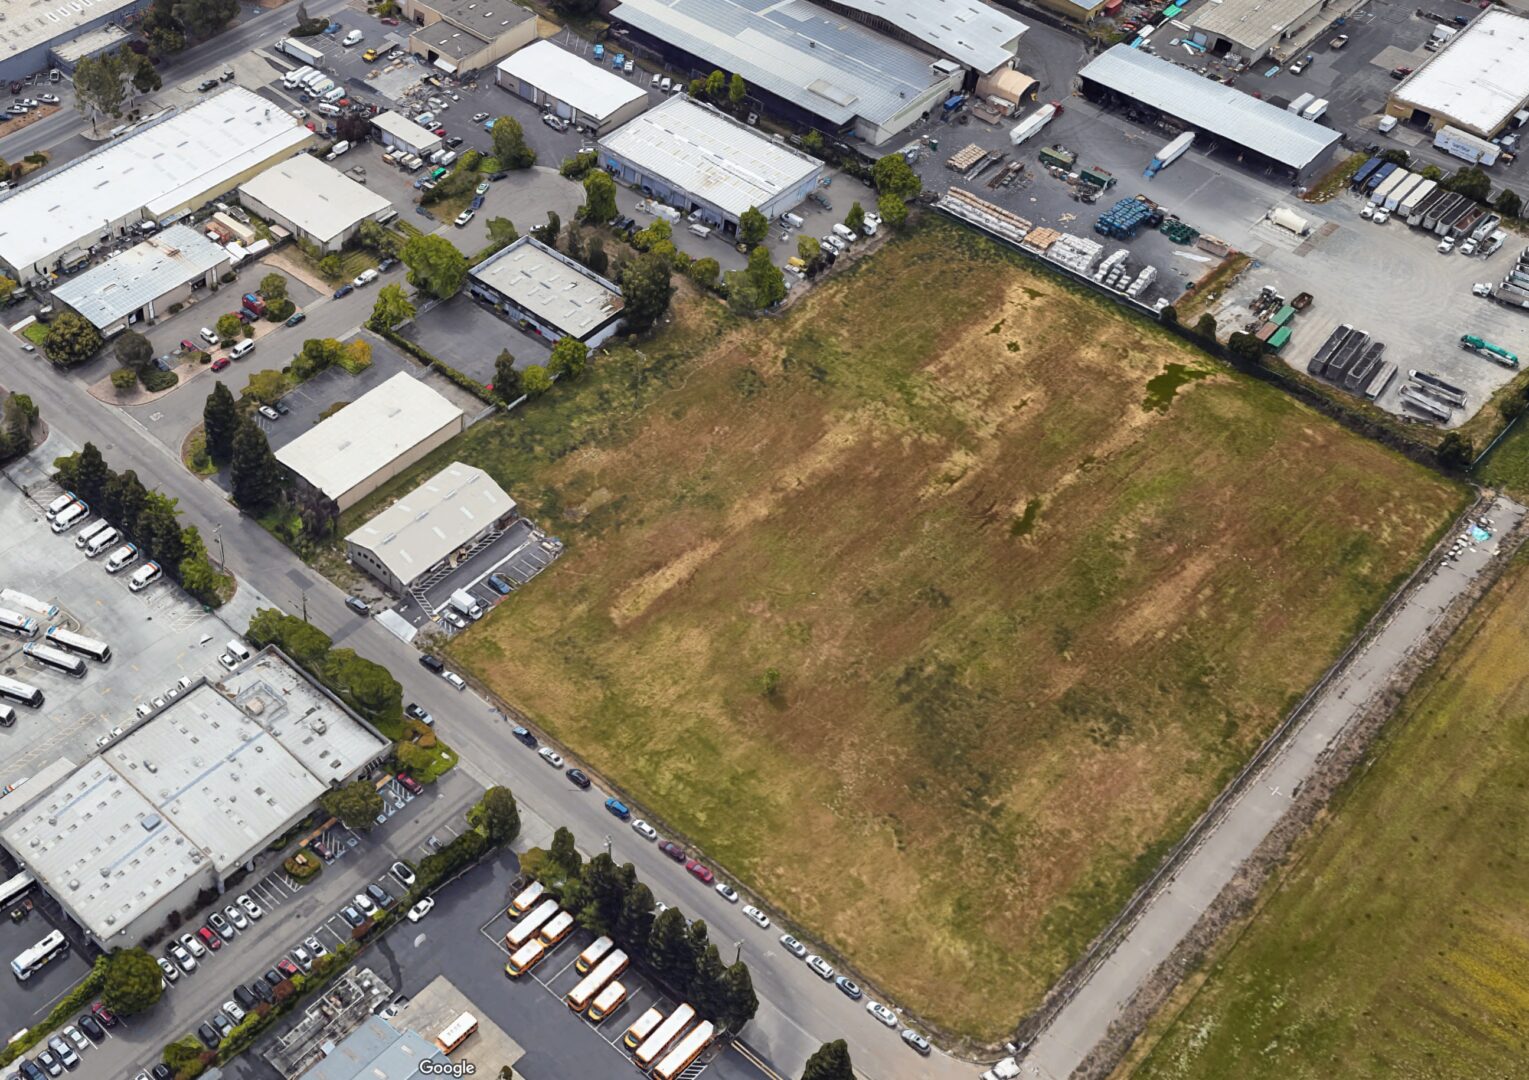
(937, 608)
(1395, 944)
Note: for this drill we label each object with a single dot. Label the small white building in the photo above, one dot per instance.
(140, 284)
(547, 293)
(400, 133)
(571, 87)
(313, 201)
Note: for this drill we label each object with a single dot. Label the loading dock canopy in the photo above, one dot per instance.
(1211, 107)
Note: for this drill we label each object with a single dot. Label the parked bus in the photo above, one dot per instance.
(685, 1052)
(15, 888)
(15, 622)
(526, 928)
(522, 903)
(556, 928)
(592, 954)
(40, 955)
(57, 659)
(98, 651)
(641, 1028)
(656, 1043)
(20, 692)
(606, 1002)
(580, 996)
(525, 958)
(456, 1033)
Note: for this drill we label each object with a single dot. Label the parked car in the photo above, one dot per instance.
(551, 757)
(209, 1036)
(499, 584)
(91, 1028)
(727, 892)
(699, 871)
(29, 1070)
(287, 967)
(63, 1051)
(252, 909)
(223, 1024)
(297, 317)
(358, 605)
(72, 1033)
(192, 945)
(383, 898)
(794, 947)
(236, 917)
(454, 679)
(434, 663)
(364, 903)
(344, 290)
(881, 1012)
(182, 958)
(577, 778)
(220, 363)
(463, 218)
(351, 915)
(209, 938)
(269, 413)
(915, 1040)
(673, 850)
(644, 830)
(169, 970)
(411, 785)
(421, 909)
(524, 736)
(759, 917)
(849, 987)
(822, 968)
(415, 712)
(233, 1011)
(221, 925)
(402, 872)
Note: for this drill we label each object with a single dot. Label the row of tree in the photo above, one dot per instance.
(148, 518)
(608, 899)
(234, 439)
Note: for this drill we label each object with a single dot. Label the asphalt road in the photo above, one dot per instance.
(1173, 911)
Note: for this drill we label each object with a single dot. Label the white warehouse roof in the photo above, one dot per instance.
(30, 23)
(157, 170)
(406, 131)
(968, 31)
(375, 429)
(711, 155)
(1479, 78)
(1211, 106)
(433, 520)
(551, 286)
(143, 273)
(320, 200)
(589, 88)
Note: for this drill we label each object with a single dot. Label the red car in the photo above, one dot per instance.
(673, 850)
(287, 968)
(388, 20)
(411, 785)
(210, 938)
(220, 363)
(699, 872)
(103, 1014)
(189, 346)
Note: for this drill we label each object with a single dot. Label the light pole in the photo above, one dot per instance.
(738, 953)
(607, 845)
(217, 534)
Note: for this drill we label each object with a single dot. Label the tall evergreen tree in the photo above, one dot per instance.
(634, 924)
(123, 500)
(829, 1062)
(253, 471)
(220, 422)
(740, 1003)
(708, 989)
(564, 853)
(91, 474)
(669, 950)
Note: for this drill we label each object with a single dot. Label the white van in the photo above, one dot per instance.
(70, 517)
(334, 95)
(700, 230)
(124, 555)
(207, 335)
(235, 653)
(241, 350)
(321, 86)
(91, 531)
(144, 576)
(793, 220)
(292, 78)
(364, 278)
(448, 157)
(102, 542)
(326, 109)
(844, 232)
(59, 504)
(337, 149)
(312, 79)
(7, 716)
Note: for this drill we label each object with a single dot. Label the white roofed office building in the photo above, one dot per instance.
(974, 34)
(1252, 131)
(809, 65)
(44, 33)
(312, 200)
(158, 173)
(374, 438)
(571, 87)
(692, 156)
(186, 797)
(431, 527)
(400, 133)
(1477, 81)
(546, 293)
(1254, 29)
(140, 284)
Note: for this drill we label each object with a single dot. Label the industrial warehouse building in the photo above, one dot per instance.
(43, 33)
(185, 798)
(313, 201)
(376, 1050)
(1478, 81)
(573, 88)
(459, 36)
(1259, 134)
(140, 284)
(400, 133)
(547, 293)
(158, 173)
(1253, 29)
(692, 156)
(806, 64)
(1080, 11)
(970, 32)
(371, 440)
(431, 528)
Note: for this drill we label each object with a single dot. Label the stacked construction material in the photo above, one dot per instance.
(1041, 238)
(1123, 220)
(966, 157)
(983, 214)
(1075, 252)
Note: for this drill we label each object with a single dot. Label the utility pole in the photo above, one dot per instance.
(305, 605)
(607, 845)
(217, 534)
(738, 954)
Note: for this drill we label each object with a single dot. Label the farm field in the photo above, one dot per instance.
(1397, 943)
(935, 609)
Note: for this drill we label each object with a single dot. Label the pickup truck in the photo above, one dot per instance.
(1338, 42)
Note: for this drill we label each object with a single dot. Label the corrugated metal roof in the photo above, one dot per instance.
(1480, 78)
(551, 286)
(1251, 23)
(1211, 106)
(709, 154)
(317, 198)
(127, 281)
(831, 67)
(968, 31)
(406, 130)
(375, 1051)
(589, 88)
(433, 520)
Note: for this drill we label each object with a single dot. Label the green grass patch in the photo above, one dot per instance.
(36, 333)
(194, 453)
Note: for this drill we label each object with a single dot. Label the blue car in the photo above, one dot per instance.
(619, 808)
(488, 125)
(344, 290)
(499, 585)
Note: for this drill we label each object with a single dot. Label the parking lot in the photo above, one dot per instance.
(515, 557)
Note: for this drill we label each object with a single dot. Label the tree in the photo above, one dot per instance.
(893, 210)
(273, 287)
(809, 249)
(1455, 451)
(374, 237)
(757, 287)
(855, 219)
(497, 816)
(392, 307)
(1244, 347)
(98, 89)
(1206, 326)
(123, 500)
(184, 1054)
(204, 18)
(599, 198)
(253, 471)
(753, 227)
(157, 529)
(1397, 157)
(435, 265)
(650, 238)
(356, 804)
(604, 890)
(737, 90)
(739, 1002)
(568, 358)
(634, 923)
(198, 578)
(704, 272)
(7, 285)
(715, 85)
(894, 176)
(506, 378)
(305, 643)
(91, 474)
(133, 982)
(646, 291)
(564, 854)
(1432, 172)
(669, 950)
(535, 381)
(146, 79)
(578, 166)
(595, 257)
(124, 379)
(502, 232)
(264, 386)
(133, 350)
(547, 233)
(708, 990)
(366, 686)
(578, 8)
(1471, 182)
(509, 140)
(71, 340)
(1169, 314)
(331, 267)
(1508, 203)
(229, 327)
(829, 1062)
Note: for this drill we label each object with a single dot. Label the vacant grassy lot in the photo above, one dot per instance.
(938, 608)
(1398, 944)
